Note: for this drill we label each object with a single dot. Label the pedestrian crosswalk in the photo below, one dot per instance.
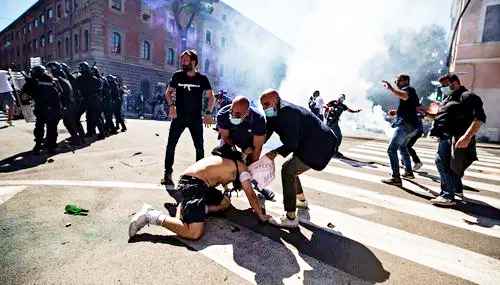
(357, 230)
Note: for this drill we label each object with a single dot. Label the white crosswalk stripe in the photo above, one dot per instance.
(453, 259)
(482, 155)
(429, 165)
(429, 157)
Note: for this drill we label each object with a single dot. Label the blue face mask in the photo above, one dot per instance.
(271, 112)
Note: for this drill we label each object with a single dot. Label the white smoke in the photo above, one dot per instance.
(337, 38)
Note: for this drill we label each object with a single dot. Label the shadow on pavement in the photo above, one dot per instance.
(487, 215)
(272, 265)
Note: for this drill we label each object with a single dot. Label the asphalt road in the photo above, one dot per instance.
(357, 231)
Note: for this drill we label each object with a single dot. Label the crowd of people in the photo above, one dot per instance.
(312, 137)
(60, 95)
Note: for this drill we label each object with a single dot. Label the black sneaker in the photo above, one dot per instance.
(168, 182)
(396, 181)
(408, 175)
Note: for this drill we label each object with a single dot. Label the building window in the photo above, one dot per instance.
(208, 38)
(35, 44)
(67, 6)
(42, 41)
(171, 25)
(76, 42)
(221, 70)
(206, 68)
(59, 48)
(42, 19)
(25, 30)
(75, 4)
(224, 17)
(36, 23)
(491, 32)
(145, 11)
(67, 47)
(223, 42)
(171, 56)
(51, 37)
(116, 43)
(50, 13)
(117, 5)
(59, 10)
(30, 26)
(86, 39)
(146, 50)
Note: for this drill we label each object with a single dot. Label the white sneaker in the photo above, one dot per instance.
(139, 220)
(460, 195)
(302, 204)
(284, 222)
(443, 201)
(417, 166)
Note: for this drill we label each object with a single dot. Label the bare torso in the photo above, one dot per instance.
(215, 170)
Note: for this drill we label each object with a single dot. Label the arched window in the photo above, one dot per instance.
(116, 44)
(51, 37)
(86, 38)
(208, 37)
(207, 66)
(146, 50)
(171, 56)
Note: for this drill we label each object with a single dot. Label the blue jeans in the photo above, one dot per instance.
(399, 141)
(451, 182)
(338, 133)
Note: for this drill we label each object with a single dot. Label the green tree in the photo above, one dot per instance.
(420, 54)
(185, 11)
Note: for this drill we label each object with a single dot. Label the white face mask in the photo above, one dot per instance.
(446, 90)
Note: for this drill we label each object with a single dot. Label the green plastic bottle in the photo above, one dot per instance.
(73, 209)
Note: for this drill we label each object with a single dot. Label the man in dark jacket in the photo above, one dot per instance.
(311, 143)
(458, 120)
(46, 93)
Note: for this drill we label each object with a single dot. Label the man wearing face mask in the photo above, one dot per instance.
(405, 124)
(335, 108)
(242, 126)
(311, 143)
(184, 96)
(458, 120)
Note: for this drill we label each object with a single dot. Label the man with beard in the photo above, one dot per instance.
(405, 124)
(46, 93)
(335, 108)
(185, 109)
(90, 88)
(458, 120)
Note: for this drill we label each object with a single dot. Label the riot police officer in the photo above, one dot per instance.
(80, 105)
(117, 95)
(67, 101)
(46, 93)
(90, 89)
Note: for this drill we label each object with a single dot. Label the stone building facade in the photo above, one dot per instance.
(133, 39)
(476, 56)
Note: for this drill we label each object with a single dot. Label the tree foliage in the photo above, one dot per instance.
(420, 54)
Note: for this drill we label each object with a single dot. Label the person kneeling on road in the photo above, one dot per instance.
(200, 197)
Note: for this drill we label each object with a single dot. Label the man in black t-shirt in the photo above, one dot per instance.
(185, 109)
(458, 120)
(406, 127)
(334, 110)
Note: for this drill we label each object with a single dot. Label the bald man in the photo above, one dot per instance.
(311, 143)
(242, 126)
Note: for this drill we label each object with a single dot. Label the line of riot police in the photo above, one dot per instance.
(59, 94)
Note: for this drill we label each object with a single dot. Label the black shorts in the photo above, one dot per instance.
(196, 197)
